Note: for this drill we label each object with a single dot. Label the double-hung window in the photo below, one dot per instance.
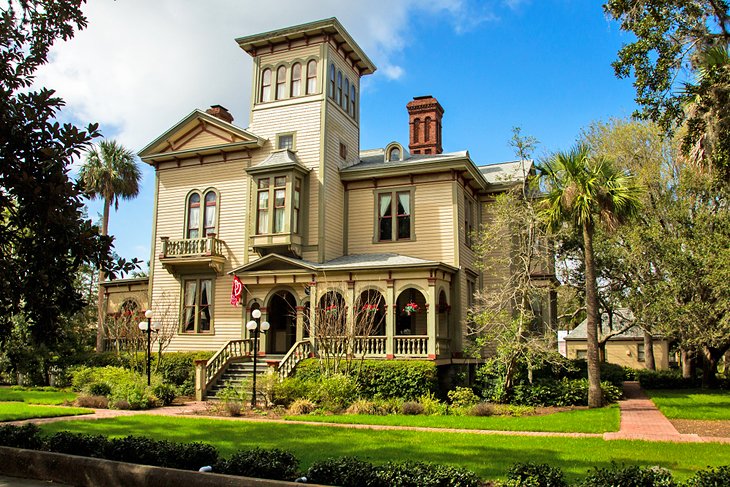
(279, 203)
(271, 205)
(195, 227)
(394, 216)
(197, 305)
(262, 206)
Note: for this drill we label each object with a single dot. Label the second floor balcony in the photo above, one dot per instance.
(187, 255)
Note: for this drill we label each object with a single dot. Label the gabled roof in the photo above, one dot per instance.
(279, 160)
(277, 263)
(253, 43)
(622, 317)
(172, 143)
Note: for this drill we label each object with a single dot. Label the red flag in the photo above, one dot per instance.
(236, 291)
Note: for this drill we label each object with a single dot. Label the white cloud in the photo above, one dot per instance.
(140, 66)
(516, 4)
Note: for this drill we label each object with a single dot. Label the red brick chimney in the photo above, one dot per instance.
(221, 112)
(425, 113)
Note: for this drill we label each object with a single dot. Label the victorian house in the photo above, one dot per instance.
(305, 218)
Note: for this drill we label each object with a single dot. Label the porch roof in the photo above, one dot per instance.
(279, 263)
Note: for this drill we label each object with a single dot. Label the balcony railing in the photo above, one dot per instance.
(410, 346)
(189, 247)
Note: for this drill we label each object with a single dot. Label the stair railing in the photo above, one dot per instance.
(296, 354)
(232, 350)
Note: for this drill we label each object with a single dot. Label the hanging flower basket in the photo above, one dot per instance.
(331, 310)
(369, 308)
(411, 308)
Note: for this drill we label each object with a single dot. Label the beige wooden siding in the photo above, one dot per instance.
(433, 219)
(230, 179)
(624, 352)
(304, 120)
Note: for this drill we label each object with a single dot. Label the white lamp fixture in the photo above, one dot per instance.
(265, 326)
(251, 325)
(143, 325)
(156, 327)
(148, 314)
(256, 314)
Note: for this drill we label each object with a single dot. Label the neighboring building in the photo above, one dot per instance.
(293, 207)
(625, 348)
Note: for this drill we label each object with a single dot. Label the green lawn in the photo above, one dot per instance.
(36, 397)
(692, 403)
(15, 411)
(580, 421)
(488, 455)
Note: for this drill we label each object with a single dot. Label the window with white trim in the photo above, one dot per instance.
(311, 77)
(296, 79)
(394, 220)
(281, 83)
(197, 305)
(266, 85)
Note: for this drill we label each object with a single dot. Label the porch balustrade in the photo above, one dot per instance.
(372, 346)
(410, 346)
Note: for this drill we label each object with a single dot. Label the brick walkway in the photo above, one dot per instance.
(640, 420)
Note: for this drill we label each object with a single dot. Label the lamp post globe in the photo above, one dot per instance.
(256, 314)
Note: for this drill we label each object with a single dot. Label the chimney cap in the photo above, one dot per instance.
(219, 111)
(422, 97)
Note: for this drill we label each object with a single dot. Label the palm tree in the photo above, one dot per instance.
(110, 173)
(583, 191)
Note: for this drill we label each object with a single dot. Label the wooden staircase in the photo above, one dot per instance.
(239, 374)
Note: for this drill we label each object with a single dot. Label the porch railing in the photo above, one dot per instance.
(443, 346)
(411, 345)
(370, 346)
(231, 350)
(296, 354)
(191, 246)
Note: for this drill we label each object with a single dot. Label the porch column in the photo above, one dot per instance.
(313, 305)
(431, 317)
(300, 323)
(390, 310)
(350, 303)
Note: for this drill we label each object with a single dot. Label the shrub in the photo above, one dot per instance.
(388, 406)
(665, 379)
(345, 472)
(96, 402)
(362, 406)
(165, 393)
(418, 474)
(534, 475)
(482, 409)
(712, 477)
(27, 436)
(463, 397)
(384, 379)
(631, 476)
(232, 399)
(411, 408)
(122, 404)
(302, 406)
(99, 389)
(125, 385)
(178, 368)
(285, 392)
(565, 392)
(272, 464)
(432, 406)
(334, 393)
(77, 444)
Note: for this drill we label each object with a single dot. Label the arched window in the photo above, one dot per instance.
(338, 97)
(332, 81)
(266, 85)
(416, 129)
(209, 213)
(394, 154)
(352, 100)
(311, 77)
(427, 129)
(296, 79)
(193, 230)
(280, 83)
(346, 100)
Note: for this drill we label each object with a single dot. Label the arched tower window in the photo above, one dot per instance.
(416, 129)
(427, 129)
(193, 230)
(352, 100)
(346, 95)
(311, 77)
(338, 96)
(296, 79)
(280, 82)
(266, 85)
(209, 213)
(332, 81)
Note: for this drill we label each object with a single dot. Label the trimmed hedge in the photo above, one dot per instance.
(631, 476)
(565, 392)
(665, 379)
(535, 475)
(384, 379)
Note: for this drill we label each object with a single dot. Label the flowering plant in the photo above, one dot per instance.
(411, 308)
(369, 308)
(331, 309)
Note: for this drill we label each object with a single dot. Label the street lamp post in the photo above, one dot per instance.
(148, 327)
(256, 328)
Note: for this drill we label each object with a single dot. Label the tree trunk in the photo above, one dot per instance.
(649, 362)
(101, 312)
(711, 356)
(688, 368)
(595, 395)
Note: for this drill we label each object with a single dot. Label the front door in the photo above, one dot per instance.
(282, 334)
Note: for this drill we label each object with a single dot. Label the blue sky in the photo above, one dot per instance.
(542, 65)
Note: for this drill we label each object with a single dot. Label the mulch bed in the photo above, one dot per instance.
(715, 428)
